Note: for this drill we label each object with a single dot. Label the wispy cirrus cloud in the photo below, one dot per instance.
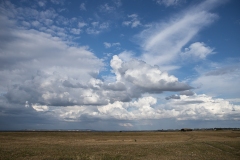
(162, 43)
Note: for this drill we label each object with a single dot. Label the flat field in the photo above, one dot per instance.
(120, 145)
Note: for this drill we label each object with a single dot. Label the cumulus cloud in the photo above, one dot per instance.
(49, 72)
(197, 50)
(133, 22)
(126, 55)
(202, 107)
(197, 107)
(145, 77)
(40, 108)
(75, 31)
(81, 24)
(46, 77)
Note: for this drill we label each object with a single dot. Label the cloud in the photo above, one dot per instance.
(126, 55)
(118, 3)
(126, 124)
(145, 77)
(133, 22)
(175, 96)
(109, 45)
(35, 72)
(81, 24)
(41, 3)
(168, 3)
(75, 31)
(59, 2)
(197, 50)
(202, 107)
(197, 107)
(107, 8)
(219, 79)
(162, 42)
(40, 108)
(50, 72)
(83, 7)
(187, 93)
(97, 27)
(47, 78)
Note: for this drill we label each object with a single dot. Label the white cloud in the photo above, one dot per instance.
(41, 3)
(36, 24)
(97, 27)
(81, 24)
(40, 108)
(133, 22)
(75, 31)
(145, 77)
(42, 74)
(196, 107)
(83, 7)
(109, 45)
(107, 8)
(197, 50)
(118, 3)
(126, 55)
(92, 31)
(126, 124)
(162, 42)
(61, 2)
(104, 25)
(168, 3)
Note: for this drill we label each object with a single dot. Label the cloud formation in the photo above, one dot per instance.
(168, 3)
(133, 22)
(197, 50)
(47, 74)
(162, 42)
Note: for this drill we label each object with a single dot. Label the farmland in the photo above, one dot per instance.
(120, 145)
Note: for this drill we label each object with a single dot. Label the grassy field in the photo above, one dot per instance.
(120, 145)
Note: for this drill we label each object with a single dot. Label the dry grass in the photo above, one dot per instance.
(120, 145)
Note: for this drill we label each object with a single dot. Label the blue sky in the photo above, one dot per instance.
(119, 64)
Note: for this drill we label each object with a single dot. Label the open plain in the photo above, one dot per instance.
(120, 145)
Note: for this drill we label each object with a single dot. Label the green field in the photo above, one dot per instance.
(120, 145)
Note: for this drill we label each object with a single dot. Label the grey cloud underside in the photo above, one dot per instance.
(187, 93)
(173, 97)
(223, 70)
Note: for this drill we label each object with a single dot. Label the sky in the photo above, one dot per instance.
(119, 64)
